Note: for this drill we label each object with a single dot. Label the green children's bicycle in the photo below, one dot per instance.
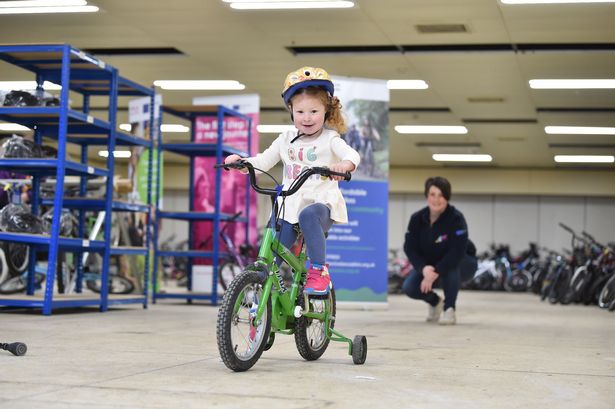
(258, 304)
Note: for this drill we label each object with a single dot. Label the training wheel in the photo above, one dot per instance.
(269, 343)
(359, 349)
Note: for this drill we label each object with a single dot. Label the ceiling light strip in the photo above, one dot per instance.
(454, 157)
(584, 158)
(166, 128)
(275, 128)
(200, 85)
(572, 84)
(580, 130)
(43, 10)
(407, 84)
(42, 3)
(11, 127)
(430, 129)
(116, 154)
(516, 2)
(27, 85)
(290, 5)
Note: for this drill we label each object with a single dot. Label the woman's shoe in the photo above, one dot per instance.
(434, 312)
(448, 317)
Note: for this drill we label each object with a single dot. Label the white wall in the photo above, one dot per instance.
(515, 220)
(503, 219)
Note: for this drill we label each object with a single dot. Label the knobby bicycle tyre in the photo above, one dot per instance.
(311, 334)
(117, 285)
(240, 343)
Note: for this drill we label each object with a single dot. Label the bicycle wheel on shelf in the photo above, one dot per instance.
(117, 284)
(228, 271)
(241, 341)
(311, 334)
(17, 255)
(18, 284)
(64, 273)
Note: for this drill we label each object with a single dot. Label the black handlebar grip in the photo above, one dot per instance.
(16, 348)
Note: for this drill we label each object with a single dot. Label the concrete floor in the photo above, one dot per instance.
(508, 351)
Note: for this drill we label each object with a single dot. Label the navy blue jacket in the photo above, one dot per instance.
(442, 245)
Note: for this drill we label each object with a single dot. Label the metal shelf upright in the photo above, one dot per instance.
(79, 72)
(192, 150)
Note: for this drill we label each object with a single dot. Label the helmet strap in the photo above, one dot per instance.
(300, 134)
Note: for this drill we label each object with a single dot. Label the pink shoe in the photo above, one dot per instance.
(318, 281)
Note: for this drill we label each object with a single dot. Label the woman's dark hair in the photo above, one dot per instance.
(441, 183)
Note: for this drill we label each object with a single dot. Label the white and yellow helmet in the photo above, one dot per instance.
(306, 77)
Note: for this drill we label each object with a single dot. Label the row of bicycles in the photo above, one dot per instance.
(584, 274)
(17, 217)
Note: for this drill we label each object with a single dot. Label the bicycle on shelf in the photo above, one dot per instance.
(257, 304)
(15, 215)
(14, 263)
(174, 267)
(238, 257)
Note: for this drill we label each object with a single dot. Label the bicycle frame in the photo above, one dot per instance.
(283, 300)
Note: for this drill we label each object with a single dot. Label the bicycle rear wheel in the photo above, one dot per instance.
(228, 271)
(241, 341)
(311, 334)
(117, 285)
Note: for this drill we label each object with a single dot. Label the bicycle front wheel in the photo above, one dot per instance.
(241, 340)
(607, 295)
(311, 334)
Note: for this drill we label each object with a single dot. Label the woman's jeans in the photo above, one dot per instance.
(449, 282)
(314, 221)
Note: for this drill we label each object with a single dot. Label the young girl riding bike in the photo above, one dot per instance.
(316, 113)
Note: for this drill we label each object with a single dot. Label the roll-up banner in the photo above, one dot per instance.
(357, 251)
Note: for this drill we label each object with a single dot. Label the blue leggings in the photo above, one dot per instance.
(314, 221)
(450, 284)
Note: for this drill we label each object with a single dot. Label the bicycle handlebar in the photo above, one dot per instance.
(568, 229)
(597, 243)
(303, 177)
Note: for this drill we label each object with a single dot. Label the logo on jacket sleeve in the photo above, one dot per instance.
(442, 238)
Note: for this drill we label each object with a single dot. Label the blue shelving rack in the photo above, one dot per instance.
(77, 71)
(192, 150)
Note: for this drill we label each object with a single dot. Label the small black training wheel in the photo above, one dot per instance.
(359, 349)
(269, 343)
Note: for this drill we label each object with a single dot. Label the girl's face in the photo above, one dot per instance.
(308, 113)
(436, 201)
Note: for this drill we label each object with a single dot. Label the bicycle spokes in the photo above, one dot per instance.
(246, 331)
